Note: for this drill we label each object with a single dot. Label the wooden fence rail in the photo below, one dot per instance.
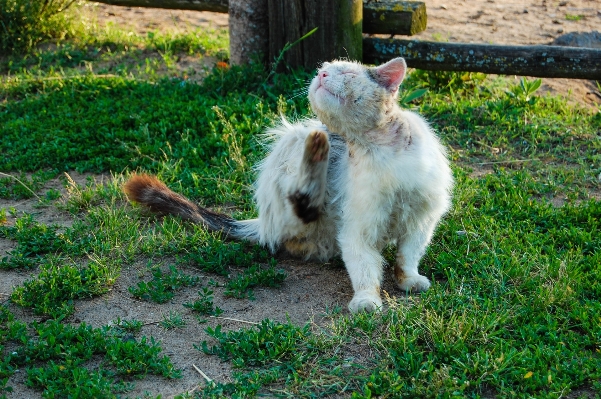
(387, 17)
(539, 61)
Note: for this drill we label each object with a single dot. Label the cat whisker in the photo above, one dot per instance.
(300, 93)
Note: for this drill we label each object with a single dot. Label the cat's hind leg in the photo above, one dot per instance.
(410, 250)
(307, 194)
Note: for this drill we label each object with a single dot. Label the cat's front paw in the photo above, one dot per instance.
(365, 301)
(416, 283)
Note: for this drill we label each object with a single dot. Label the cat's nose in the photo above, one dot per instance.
(322, 75)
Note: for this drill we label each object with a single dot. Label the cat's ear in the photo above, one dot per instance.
(391, 74)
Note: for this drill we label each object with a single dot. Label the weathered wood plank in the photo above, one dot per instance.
(379, 16)
(394, 17)
(335, 37)
(538, 61)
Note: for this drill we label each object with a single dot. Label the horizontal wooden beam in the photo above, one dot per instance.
(192, 5)
(539, 61)
(381, 16)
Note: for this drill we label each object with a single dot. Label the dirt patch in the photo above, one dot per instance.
(144, 20)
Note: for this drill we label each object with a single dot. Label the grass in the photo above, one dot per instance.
(56, 355)
(514, 308)
(574, 17)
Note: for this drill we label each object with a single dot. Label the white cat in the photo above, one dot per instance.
(364, 174)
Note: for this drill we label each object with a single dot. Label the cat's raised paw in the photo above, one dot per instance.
(365, 301)
(317, 146)
(417, 283)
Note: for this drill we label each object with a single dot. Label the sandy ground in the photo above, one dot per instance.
(309, 289)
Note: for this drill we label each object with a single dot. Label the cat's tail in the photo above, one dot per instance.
(152, 193)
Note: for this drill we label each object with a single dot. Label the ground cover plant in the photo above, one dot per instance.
(514, 310)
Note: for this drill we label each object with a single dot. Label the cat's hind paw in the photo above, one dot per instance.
(416, 283)
(365, 301)
(317, 146)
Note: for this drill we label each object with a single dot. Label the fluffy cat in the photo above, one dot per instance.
(364, 174)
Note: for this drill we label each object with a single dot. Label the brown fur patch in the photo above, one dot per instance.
(299, 247)
(302, 207)
(317, 146)
(399, 275)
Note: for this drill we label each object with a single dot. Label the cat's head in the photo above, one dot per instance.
(351, 98)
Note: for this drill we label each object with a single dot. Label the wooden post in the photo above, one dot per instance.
(338, 35)
(248, 27)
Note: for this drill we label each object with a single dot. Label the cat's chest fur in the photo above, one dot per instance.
(386, 184)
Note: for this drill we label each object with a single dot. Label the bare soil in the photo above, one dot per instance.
(310, 288)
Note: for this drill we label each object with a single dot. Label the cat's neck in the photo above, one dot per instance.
(392, 132)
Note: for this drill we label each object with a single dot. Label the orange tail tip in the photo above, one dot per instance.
(139, 184)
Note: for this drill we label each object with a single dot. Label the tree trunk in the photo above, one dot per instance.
(338, 35)
(248, 31)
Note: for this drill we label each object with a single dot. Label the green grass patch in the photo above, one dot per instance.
(53, 290)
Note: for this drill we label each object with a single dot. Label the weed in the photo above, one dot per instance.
(267, 343)
(172, 320)
(408, 96)
(204, 305)
(22, 187)
(131, 357)
(130, 326)
(65, 379)
(215, 255)
(255, 276)
(162, 287)
(52, 194)
(80, 198)
(279, 353)
(524, 91)
(60, 351)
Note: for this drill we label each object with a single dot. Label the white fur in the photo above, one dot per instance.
(387, 180)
